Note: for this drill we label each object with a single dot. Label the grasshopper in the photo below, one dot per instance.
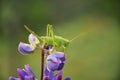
(51, 39)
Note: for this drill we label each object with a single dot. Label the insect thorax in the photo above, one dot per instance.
(46, 40)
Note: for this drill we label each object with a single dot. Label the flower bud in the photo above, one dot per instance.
(46, 78)
(67, 78)
(49, 47)
(55, 61)
(59, 76)
(33, 39)
(24, 48)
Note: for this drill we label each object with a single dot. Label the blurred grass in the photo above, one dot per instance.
(94, 56)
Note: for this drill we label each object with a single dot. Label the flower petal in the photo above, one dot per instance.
(67, 78)
(12, 78)
(55, 61)
(46, 72)
(24, 48)
(61, 65)
(46, 78)
(21, 73)
(33, 39)
(59, 54)
(59, 76)
(29, 71)
(52, 63)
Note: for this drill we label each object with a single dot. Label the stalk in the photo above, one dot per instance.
(42, 63)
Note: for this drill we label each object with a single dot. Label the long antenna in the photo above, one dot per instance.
(81, 34)
(77, 36)
(29, 30)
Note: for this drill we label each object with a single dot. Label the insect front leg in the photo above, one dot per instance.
(64, 48)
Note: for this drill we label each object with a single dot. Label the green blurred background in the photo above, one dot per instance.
(95, 55)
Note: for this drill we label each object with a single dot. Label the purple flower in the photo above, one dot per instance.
(24, 74)
(49, 75)
(55, 61)
(58, 76)
(24, 48)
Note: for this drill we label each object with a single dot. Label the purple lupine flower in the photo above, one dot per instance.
(24, 74)
(24, 48)
(33, 39)
(49, 75)
(55, 61)
(58, 76)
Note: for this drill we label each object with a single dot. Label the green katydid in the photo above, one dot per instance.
(51, 38)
